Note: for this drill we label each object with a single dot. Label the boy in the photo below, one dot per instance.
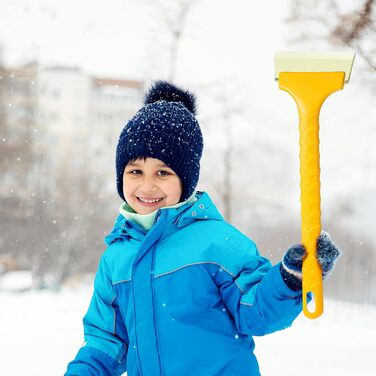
(179, 291)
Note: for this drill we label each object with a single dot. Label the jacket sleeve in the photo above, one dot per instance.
(257, 297)
(106, 340)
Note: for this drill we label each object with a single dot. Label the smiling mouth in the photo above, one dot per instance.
(152, 201)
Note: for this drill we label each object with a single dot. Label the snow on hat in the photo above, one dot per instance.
(165, 128)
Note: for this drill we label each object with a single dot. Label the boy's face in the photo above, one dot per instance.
(149, 185)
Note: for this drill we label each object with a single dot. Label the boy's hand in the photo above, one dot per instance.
(291, 267)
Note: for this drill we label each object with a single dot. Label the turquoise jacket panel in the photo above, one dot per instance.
(184, 298)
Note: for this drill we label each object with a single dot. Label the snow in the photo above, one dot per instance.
(16, 281)
(42, 331)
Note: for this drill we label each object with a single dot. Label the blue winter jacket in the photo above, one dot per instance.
(184, 298)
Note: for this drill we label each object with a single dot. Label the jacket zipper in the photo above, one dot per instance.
(149, 235)
(154, 310)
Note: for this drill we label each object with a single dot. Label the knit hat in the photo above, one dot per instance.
(166, 129)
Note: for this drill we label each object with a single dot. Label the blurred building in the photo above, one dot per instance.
(60, 120)
(63, 121)
(113, 102)
(18, 108)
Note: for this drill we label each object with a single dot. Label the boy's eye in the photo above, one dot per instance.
(163, 173)
(135, 172)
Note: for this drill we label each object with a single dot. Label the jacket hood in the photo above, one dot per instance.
(202, 209)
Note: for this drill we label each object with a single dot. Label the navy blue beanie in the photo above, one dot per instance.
(165, 128)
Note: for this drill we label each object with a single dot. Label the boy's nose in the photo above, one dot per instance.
(148, 185)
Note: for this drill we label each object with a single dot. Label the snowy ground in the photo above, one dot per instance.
(41, 331)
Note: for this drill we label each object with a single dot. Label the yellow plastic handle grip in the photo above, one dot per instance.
(309, 90)
(310, 209)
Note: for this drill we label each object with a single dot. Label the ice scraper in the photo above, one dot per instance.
(310, 78)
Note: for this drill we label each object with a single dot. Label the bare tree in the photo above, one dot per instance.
(339, 23)
(171, 22)
(230, 110)
(355, 278)
(220, 93)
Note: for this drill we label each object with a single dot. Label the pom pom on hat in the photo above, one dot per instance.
(164, 91)
(166, 129)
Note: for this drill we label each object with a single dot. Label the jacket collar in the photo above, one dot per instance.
(202, 209)
(146, 221)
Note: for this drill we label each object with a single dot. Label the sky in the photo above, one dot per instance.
(117, 37)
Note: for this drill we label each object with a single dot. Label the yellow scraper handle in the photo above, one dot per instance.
(309, 90)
